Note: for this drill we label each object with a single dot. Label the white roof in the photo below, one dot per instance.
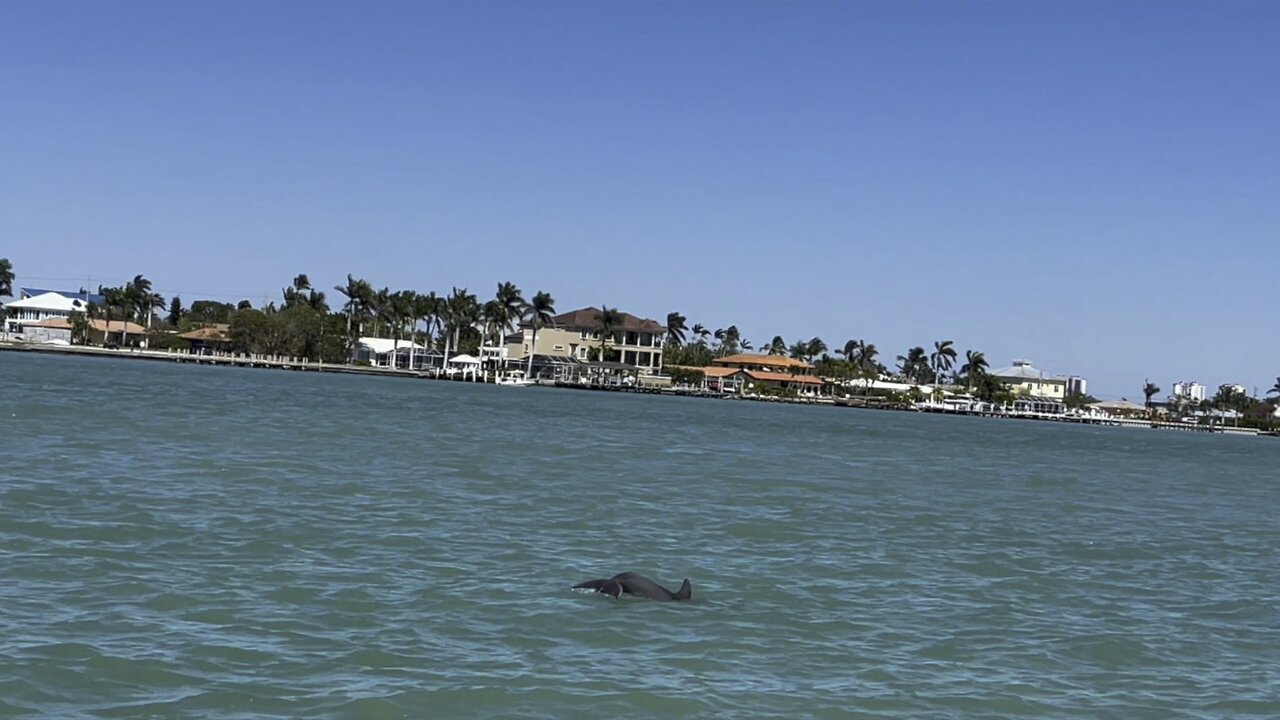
(49, 301)
(464, 360)
(1022, 370)
(1117, 405)
(382, 346)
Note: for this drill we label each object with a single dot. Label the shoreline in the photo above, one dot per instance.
(300, 365)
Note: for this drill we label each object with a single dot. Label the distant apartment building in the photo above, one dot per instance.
(1233, 388)
(1077, 385)
(636, 341)
(1188, 391)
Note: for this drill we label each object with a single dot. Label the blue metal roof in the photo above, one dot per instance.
(92, 298)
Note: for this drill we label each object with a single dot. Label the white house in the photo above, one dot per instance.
(385, 352)
(45, 306)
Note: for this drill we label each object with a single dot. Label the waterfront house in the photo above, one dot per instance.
(209, 339)
(747, 372)
(1120, 408)
(53, 331)
(116, 332)
(405, 355)
(636, 342)
(58, 331)
(750, 380)
(1024, 379)
(48, 305)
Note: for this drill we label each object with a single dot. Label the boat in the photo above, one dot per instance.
(515, 379)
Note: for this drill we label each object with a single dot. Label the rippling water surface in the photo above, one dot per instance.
(206, 542)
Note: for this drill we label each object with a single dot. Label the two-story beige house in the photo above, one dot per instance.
(637, 341)
(1024, 379)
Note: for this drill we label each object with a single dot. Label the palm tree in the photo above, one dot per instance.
(6, 278)
(490, 318)
(512, 303)
(113, 298)
(814, 348)
(462, 310)
(127, 301)
(777, 346)
(539, 314)
(975, 366)
(730, 340)
(6, 290)
(433, 309)
(866, 359)
(399, 311)
(79, 328)
(377, 303)
(912, 365)
(1150, 389)
(143, 301)
(702, 333)
(608, 320)
(357, 293)
(301, 293)
(676, 328)
(746, 345)
(1274, 388)
(294, 293)
(941, 359)
(850, 349)
(418, 309)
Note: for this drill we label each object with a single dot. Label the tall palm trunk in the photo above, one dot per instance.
(444, 364)
(412, 343)
(533, 347)
(351, 353)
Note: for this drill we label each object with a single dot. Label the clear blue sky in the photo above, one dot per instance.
(1093, 186)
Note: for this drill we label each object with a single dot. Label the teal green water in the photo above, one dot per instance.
(180, 541)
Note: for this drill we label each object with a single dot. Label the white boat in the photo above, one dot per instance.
(515, 379)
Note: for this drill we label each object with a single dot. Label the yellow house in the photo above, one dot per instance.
(1023, 379)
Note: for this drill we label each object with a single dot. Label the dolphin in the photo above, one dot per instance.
(636, 584)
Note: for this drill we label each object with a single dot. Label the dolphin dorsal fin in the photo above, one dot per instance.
(686, 591)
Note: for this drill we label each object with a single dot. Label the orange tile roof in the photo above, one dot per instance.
(216, 333)
(765, 360)
(711, 372)
(717, 372)
(52, 323)
(782, 377)
(117, 326)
